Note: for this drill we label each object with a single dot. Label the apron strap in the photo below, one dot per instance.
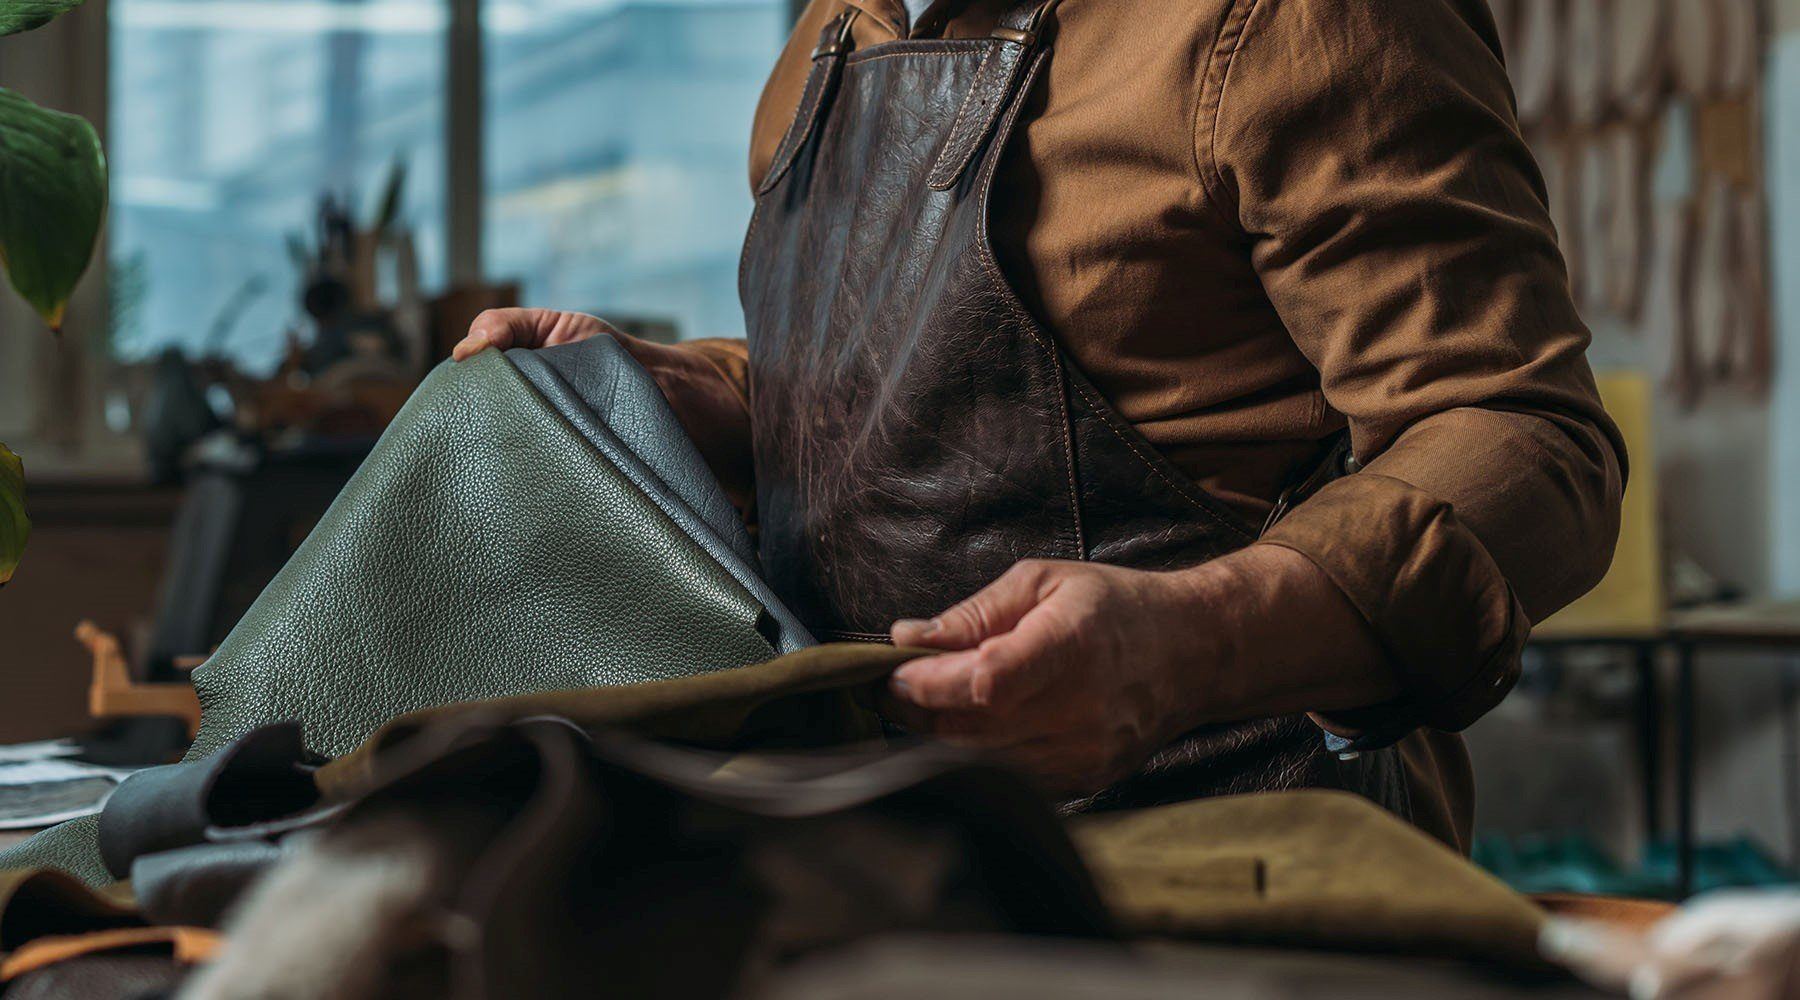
(827, 67)
(1016, 37)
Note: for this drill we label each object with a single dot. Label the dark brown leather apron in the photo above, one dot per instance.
(917, 430)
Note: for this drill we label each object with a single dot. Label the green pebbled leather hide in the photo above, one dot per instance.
(484, 549)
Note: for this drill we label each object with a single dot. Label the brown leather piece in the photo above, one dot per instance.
(1307, 868)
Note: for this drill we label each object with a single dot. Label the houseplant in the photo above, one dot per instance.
(52, 201)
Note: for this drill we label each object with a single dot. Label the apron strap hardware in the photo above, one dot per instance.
(827, 67)
(835, 39)
(1015, 39)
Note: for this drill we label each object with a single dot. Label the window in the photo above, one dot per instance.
(616, 146)
(229, 120)
(617, 152)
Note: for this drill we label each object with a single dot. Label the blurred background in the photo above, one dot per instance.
(311, 198)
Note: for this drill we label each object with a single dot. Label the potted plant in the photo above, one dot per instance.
(52, 200)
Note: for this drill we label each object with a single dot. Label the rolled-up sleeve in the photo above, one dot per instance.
(730, 358)
(1371, 155)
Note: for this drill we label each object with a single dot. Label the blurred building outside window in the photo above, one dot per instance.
(617, 139)
(616, 150)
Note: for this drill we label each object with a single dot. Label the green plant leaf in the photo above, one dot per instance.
(14, 525)
(52, 198)
(24, 15)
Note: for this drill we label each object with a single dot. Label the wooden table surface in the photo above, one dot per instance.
(1752, 621)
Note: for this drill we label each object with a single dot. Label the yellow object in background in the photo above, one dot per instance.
(1631, 602)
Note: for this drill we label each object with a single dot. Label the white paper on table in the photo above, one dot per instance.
(41, 750)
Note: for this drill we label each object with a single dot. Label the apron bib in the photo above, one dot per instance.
(917, 430)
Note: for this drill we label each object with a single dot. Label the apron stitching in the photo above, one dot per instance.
(957, 124)
(1062, 399)
(1180, 489)
(876, 55)
(801, 127)
(1003, 134)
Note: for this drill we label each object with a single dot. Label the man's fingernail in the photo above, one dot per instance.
(925, 626)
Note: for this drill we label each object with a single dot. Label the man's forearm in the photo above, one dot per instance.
(1285, 639)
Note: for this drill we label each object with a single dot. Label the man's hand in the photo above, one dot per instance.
(1078, 672)
(505, 329)
(710, 408)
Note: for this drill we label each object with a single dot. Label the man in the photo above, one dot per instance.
(1058, 314)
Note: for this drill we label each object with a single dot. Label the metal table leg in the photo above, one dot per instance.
(1684, 769)
(1649, 734)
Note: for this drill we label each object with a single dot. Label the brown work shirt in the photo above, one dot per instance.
(1254, 223)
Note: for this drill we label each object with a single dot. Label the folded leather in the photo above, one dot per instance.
(44, 903)
(195, 886)
(224, 808)
(535, 817)
(486, 548)
(609, 398)
(500, 539)
(182, 944)
(818, 697)
(261, 775)
(577, 864)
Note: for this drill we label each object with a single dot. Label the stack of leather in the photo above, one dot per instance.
(413, 774)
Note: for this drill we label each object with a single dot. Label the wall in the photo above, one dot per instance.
(1728, 471)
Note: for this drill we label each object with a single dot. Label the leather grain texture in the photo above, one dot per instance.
(484, 549)
(609, 398)
(66, 847)
(604, 382)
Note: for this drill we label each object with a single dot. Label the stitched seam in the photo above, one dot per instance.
(1062, 399)
(991, 265)
(985, 256)
(978, 127)
(1180, 489)
(1212, 101)
(960, 123)
(778, 168)
(800, 128)
(895, 50)
(849, 636)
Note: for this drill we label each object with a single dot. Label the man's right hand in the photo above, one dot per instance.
(711, 409)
